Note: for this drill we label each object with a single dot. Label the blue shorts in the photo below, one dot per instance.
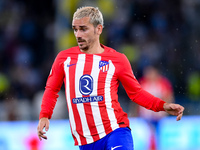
(119, 139)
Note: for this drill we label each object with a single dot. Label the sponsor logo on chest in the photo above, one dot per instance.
(86, 85)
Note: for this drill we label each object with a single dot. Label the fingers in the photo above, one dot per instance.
(41, 135)
(41, 132)
(43, 123)
(174, 109)
(47, 127)
(179, 117)
(40, 128)
(180, 110)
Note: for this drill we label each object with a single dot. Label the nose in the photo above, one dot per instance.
(77, 34)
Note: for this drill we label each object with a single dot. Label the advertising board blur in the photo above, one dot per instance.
(173, 135)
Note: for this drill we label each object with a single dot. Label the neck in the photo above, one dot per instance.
(96, 48)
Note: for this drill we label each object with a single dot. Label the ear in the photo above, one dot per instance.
(99, 29)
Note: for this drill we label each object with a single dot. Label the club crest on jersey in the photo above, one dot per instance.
(103, 65)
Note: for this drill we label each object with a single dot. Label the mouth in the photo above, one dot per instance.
(81, 41)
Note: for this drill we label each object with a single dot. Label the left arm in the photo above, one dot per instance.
(134, 90)
(143, 98)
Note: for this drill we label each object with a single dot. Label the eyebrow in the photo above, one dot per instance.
(79, 26)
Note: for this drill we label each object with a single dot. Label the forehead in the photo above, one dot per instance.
(85, 21)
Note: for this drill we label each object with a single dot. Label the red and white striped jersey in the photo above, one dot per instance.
(91, 86)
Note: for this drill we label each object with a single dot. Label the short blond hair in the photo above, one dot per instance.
(94, 13)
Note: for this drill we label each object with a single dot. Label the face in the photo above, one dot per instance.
(86, 34)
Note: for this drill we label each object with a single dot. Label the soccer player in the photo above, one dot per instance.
(91, 73)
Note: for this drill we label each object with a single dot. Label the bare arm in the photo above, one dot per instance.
(43, 123)
(174, 109)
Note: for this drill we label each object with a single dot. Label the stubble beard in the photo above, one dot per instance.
(86, 45)
(83, 48)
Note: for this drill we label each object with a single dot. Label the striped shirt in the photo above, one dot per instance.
(91, 86)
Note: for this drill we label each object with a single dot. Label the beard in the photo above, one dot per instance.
(84, 45)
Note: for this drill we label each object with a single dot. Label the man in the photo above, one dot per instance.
(91, 73)
(158, 85)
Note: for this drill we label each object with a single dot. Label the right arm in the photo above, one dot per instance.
(53, 85)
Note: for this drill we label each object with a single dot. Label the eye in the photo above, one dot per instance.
(83, 29)
(74, 28)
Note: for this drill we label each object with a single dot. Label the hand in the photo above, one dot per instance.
(174, 109)
(43, 123)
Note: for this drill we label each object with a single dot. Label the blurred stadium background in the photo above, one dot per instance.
(161, 33)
